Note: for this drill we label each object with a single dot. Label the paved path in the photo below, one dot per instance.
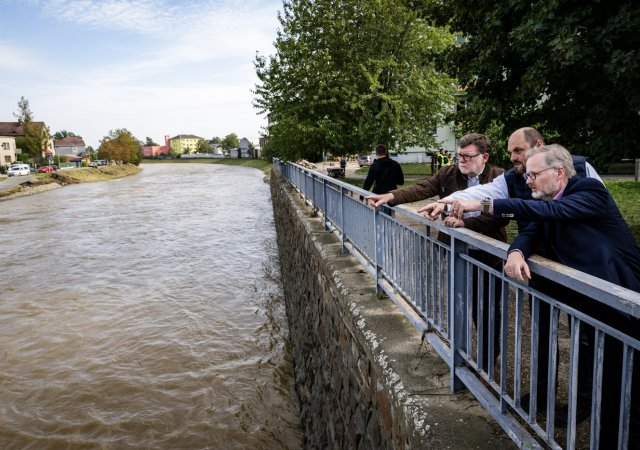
(10, 182)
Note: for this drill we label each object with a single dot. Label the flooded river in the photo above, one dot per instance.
(143, 313)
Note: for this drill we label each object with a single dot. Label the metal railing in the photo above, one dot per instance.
(434, 275)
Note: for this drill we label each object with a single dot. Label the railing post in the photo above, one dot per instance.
(457, 308)
(378, 226)
(343, 235)
(637, 169)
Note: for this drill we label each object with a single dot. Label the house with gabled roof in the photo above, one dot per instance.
(69, 146)
(17, 130)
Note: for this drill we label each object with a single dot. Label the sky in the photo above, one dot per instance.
(154, 67)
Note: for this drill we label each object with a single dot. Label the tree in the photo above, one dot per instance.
(63, 134)
(230, 141)
(349, 74)
(120, 145)
(570, 68)
(36, 134)
(149, 142)
(215, 140)
(24, 114)
(203, 146)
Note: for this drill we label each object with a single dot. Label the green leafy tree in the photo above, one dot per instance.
(36, 134)
(230, 141)
(149, 142)
(63, 134)
(569, 68)
(215, 140)
(349, 74)
(120, 145)
(203, 146)
(24, 114)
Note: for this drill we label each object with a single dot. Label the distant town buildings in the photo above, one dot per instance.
(151, 151)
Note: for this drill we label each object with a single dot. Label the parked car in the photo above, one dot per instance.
(97, 163)
(364, 160)
(18, 169)
(46, 169)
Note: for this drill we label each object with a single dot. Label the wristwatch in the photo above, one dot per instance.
(486, 204)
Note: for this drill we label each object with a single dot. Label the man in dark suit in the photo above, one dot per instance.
(473, 169)
(580, 226)
(385, 174)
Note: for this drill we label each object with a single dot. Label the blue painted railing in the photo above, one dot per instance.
(433, 280)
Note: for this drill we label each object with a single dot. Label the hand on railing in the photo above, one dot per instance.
(516, 267)
(379, 199)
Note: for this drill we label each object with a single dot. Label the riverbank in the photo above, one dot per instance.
(49, 181)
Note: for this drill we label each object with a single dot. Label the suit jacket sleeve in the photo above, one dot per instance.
(584, 203)
(371, 176)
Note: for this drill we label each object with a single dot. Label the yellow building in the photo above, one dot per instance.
(184, 143)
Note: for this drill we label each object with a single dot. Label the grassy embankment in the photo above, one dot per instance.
(73, 176)
(625, 193)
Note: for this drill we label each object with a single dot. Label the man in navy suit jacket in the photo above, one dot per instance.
(580, 226)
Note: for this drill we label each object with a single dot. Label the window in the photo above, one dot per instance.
(5, 146)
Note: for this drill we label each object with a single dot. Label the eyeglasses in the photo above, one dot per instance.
(533, 175)
(467, 158)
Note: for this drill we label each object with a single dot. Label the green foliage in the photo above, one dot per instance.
(34, 141)
(24, 113)
(230, 141)
(63, 134)
(570, 67)
(149, 142)
(203, 146)
(349, 74)
(120, 145)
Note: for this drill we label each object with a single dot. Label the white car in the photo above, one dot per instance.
(18, 169)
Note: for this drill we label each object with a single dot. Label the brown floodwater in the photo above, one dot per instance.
(145, 313)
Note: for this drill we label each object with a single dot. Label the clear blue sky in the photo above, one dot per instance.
(154, 67)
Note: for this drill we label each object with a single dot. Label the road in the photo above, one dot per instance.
(9, 182)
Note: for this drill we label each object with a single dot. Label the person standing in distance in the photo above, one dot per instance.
(385, 174)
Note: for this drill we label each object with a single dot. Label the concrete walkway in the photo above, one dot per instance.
(9, 182)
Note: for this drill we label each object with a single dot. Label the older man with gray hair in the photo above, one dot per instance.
(579, 225)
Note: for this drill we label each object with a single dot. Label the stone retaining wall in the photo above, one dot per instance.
(364, 377)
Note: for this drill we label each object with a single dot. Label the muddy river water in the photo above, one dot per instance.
(145, 313)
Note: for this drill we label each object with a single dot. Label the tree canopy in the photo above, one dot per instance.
(120, 145)
(36, 134)
(63, 134)
(230, 141)
(570, 68)
(349, 74)
(24, 113)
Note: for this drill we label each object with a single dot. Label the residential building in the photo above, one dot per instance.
(69, 146)
(7, 150)
(17, 130)
(184, 143)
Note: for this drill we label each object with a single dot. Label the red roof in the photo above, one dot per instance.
(69, 141)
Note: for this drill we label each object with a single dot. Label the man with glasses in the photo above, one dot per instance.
(512, 184)
(473, 169)
(579, 225)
